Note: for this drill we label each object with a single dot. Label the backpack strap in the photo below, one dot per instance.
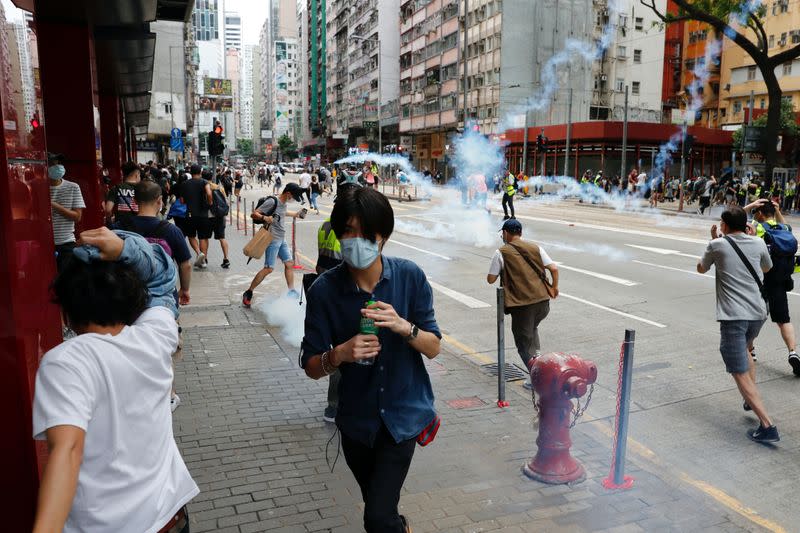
(749, 268)
(539, 273)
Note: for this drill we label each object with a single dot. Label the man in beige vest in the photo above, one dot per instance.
(528, 291)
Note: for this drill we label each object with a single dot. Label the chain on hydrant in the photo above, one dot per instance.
(557, 379)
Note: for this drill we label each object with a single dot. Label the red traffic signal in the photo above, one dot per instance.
(35, 122)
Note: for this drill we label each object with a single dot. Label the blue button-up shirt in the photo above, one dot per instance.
(395, 391)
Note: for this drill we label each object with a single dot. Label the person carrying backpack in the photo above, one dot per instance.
(120, 201)
(219, 210)
(147, 224)
(782, 244)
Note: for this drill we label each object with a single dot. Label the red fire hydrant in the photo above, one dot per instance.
(557, 378)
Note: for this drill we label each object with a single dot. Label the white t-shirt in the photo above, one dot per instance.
(497, 261)
(305, 180)
(68, 194)
(117, 389)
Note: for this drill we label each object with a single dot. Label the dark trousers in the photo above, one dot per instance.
(508, 201)
(705, 202)
(525, 322)
(380, 472)
(63, 254)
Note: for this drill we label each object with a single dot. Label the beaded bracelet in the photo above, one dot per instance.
(327, 367)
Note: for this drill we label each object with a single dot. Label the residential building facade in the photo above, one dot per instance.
(246, 93)
(205, 20)
(232, 31)
(316, 75)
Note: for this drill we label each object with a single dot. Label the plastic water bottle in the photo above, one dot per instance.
(367, 327)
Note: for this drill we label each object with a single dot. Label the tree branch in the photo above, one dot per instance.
(759, 30)
(786, 55)
(665, 18)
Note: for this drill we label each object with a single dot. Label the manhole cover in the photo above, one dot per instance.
(466, 403)
(512, 372)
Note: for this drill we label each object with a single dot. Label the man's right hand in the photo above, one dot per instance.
(105, 240)
(356, 349)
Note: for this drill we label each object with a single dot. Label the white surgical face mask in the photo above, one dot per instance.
(360, 253)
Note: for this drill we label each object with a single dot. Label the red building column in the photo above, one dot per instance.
(29, 322)
(69, 86)
(112, 136)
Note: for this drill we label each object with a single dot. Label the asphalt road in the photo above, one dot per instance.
(618, 270)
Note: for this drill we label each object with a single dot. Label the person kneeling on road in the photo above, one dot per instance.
(102, 399)
(527, 289)
(273, 213)
(741, 311)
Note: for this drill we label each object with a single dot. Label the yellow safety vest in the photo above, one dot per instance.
(510, 190)
(327, 243)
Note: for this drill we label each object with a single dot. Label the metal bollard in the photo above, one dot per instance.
(501, 349)
(616, 478)
(252, 222)
(244, 222)
(238, 219)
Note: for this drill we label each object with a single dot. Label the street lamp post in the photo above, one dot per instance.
(378, 41)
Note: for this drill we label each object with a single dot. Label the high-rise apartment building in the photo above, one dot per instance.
(232, 31)
(258, 102)
(302, 74)
(366, 50)
(484, 31)
(429, 79)
(246, 93)
(205, 20)
(284, 88)
(317, 57)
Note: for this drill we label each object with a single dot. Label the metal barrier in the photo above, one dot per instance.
(501, 349)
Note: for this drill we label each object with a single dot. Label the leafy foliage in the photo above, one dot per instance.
(244, 147)
(287, 146)
(788, 123)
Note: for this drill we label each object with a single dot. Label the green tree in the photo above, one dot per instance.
(788, 124)
(244, 147)
(287, 146)
(742, 21)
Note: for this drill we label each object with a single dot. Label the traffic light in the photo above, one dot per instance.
(541, 143)
(35, 122)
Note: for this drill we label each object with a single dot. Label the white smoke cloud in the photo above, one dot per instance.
(287, 314)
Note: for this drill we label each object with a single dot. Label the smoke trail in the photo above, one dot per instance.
(285, 314)
(476, 154)
(574, 50)
(747, 8)
(416, 178)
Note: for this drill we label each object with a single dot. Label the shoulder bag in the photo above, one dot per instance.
(539, 272)
(761, 288)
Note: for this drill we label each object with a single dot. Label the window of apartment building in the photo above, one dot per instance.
(407, 37)
(622, 52)
(450, 11)
(771, 41)
(432, 106)
(762, 103)
(450, 71)
(639, 23)
(751, 73)
(449, 41)
(637, 56)
(690, 64)
(788, 99)
(782, 41)
(619, 85)
(405, 110)
(449, 101)
(784, 6)
(737, 107)
(635, 87)
(787, 69)
(623, 21)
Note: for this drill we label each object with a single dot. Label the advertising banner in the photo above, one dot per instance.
(217, 87)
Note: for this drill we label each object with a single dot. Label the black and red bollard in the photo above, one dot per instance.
(557, 379)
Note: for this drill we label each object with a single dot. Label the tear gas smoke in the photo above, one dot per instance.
(385, 160)
(747, 8)
(476, 154)
(286, 314)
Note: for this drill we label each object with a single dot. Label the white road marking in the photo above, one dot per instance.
(440, 256)
(662, 251)
(606, 277)
(610, 310)
(615, 230)
(693, 272)
(469, 301)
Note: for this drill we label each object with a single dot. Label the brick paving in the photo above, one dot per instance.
(251, 433)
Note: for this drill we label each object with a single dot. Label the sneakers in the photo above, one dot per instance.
(763, 435)
(330, 414)
(247, 297)
(506, 217)
(794, 360)
(225, 263)
(527, 384)
(174, 402)
(200, 261)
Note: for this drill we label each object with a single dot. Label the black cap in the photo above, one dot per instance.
(195, 169)
(512, 226)
(295, 190)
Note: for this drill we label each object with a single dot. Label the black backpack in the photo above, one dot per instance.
(271, 212)
(219, 205)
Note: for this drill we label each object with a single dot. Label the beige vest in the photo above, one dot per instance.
(522, 285)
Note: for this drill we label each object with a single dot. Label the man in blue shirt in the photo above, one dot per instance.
(385, 394)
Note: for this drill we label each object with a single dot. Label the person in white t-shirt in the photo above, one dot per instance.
(102, 399)
(305, 184)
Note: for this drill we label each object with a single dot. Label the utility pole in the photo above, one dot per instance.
(525, 145)
(749, 123)
(683, 163)
(544, 154)
(624, 163)
(380, 133)
(464, 56)
(569, 135)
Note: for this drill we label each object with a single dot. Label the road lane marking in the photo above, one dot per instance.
(469, 352)
(598, 275)
(611, 310)
(663, 251)
(440, 256)
(665, 267)
(469, 301)
(615, 230)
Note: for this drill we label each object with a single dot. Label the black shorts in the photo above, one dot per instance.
(200, 227)
(218, 227)
(778, 303)
(181, 224)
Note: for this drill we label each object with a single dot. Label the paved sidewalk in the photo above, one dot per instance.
(251, 432)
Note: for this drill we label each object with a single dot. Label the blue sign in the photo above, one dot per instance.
(176, 140)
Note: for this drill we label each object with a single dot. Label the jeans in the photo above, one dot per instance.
(380, 472)
(313, 200)
(525, 322)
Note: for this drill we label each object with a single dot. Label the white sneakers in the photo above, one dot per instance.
(201, 261)
(174, 402)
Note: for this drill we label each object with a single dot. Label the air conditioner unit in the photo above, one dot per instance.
(603, 78)
(782, 42)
